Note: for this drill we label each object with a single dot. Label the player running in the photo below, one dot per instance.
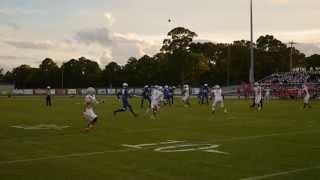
(145, 95)
(171, 93)
(205, 94)
(199, 95)
(88, 113)
(267, 95)
(306, 99)
(217, 99)
(156, 96)
(167, 95)
(125, 102)
(258, 101)
(186, 95)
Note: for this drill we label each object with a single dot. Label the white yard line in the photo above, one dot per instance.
(263, 136)
(266, 176)
(61, 156)
(126, 150)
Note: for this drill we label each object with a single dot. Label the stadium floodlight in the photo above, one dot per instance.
(251, 72)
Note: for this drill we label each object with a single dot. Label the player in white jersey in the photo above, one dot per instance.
(88, 113)
(267, 95)
(156, 96)
(217, 98)
(48, 97)
(257, 96)
(306, 99)
(186, 95)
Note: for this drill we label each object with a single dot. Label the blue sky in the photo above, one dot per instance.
(114, 30)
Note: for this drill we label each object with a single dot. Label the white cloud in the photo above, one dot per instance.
(32, 44)
(100, 36)
(13, 25)
(120, 46)
(280, 2)
(308, 48)
(305, 36)
(66, 45)
(110, 19)
(8, 62)
(10, 57)
(106, 57)
(18, 11)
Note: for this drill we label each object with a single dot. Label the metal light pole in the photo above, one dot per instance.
(62, 78)
(291, 54)
(251, 73)
(228, 63)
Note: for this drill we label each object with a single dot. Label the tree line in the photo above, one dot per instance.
(180, 60)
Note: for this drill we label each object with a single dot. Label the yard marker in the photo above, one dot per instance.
(281, 173)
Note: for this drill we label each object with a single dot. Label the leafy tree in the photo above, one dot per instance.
(313, 62)
(112, 73)
(130, 69)
(90, 72)
(48, 73)
(180, 60)
(1, 75)
(178, 45)
(23, 76)
(274, 56)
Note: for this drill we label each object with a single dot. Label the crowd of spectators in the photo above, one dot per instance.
(294, 77)
(286, 84)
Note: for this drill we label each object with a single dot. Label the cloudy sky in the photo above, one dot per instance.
(114, 30)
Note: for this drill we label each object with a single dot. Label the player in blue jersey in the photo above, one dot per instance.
(171, 93)
(125, 102)
(167, 95)
(145, 96)
(205, 94)
(199, 96)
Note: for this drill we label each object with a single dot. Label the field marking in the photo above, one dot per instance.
(191, 147)
(60, 157)
(263, 136)
(139, 146)
(41, 127)
(104, 152)
(281, 173)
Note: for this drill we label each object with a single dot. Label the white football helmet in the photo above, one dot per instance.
(91, 91)
(125, 85)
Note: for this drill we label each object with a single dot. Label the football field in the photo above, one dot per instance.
(281, 142)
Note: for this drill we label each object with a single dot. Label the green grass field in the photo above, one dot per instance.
(281, 142)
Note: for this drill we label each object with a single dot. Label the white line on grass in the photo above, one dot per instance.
(104, 152)
(61, 156)
(263, 136)
(281, 173)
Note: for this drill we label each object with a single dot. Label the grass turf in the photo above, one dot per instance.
(280, 139)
